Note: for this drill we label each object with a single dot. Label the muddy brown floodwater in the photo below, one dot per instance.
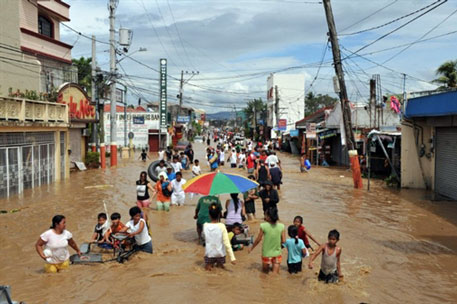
(397, 246)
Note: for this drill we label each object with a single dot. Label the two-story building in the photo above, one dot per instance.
(32, 57)
(34, 135)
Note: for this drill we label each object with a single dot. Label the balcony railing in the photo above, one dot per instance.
(25, 110)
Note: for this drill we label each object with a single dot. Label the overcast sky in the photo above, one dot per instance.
(236, 44)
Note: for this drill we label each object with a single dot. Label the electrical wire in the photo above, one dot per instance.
(423, 36)
(155, 31)
(369, 16)
(400, 27)
(395, 20)
(179, 35)
(324, 52)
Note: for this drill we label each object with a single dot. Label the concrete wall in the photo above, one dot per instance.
(17, 70)
(291, 91)
(417, 172)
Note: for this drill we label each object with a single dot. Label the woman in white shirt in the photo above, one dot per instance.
(137, 228)
(52, 245)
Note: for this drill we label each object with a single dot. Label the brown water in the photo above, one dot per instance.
(397, 246)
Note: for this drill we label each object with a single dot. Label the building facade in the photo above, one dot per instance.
(429, 143)
(285, 101)
(33, 144)
(33, 57)
(143, 124)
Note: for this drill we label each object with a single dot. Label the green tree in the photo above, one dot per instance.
(314, 102)
(84, 73)
(447, 73)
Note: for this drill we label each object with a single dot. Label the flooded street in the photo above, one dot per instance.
(397, 246)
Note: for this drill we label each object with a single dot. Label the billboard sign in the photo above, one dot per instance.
(282, 124)
(183, 119)
(163, 93)
(311, 131)
(138, 120)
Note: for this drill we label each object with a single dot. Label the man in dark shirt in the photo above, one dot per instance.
(276, 176)
(269, 196)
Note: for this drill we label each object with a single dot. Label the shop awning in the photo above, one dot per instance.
(439, 104)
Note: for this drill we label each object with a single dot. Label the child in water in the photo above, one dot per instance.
(303, 233)
(331, 259)
(116, 226)
(274, 237)
(216, 240)
(100, 229)
(296, 250)
(236, 230)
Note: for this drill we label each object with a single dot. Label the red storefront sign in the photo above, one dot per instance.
(79, 106)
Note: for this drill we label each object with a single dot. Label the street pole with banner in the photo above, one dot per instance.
(163, 99)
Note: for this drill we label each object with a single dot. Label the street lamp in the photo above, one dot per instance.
(141, 49)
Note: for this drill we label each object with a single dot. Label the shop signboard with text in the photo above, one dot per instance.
(79, 106)
(282, 124)
(163, 93)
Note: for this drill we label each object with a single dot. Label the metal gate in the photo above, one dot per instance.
(446, 162)
(27, 160)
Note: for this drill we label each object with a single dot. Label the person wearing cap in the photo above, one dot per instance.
(163, 191)
(269, 196)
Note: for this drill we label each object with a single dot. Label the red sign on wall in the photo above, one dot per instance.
(282, 124)
(75, 97)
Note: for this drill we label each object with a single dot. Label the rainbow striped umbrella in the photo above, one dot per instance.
(219, 183)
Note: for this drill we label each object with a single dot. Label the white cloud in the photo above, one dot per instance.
(228, 38)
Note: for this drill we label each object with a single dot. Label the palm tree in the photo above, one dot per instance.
(448, 74)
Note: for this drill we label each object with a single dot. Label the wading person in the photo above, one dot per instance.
(273, 234)
(178, 196)
(142, 193)
(217, 242)
(138, 229)
(331, 259)
(249, 200)
(269, 196)
(235, 210)
(296, 250)
(52, 245)
(163, 191)
(202, 212)
(262, 174)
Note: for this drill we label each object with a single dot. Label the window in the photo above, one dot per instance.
(45, 26)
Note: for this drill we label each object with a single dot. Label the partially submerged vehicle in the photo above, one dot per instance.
(119, 254)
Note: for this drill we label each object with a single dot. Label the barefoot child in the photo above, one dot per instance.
(216, 240)
(296, 250)
(249, 200)
(331, 259)
(303, 233)
(274, 237)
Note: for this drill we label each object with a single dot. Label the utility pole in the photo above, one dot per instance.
(255, 120)
(113, 146)
(404, 91)
(93, 95)
(181, 84)
(346, 111)
(372, 101)
(125, 116)
(276, 106)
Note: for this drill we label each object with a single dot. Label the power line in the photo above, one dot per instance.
(372, 14)
(155, 31)
(83, 35)
(380, 65)
(395, 20)
(400, 27)
(423, 36)
(324, 52)
(179, 35)
(168, 32)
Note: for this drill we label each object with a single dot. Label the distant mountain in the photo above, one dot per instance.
(227, 115)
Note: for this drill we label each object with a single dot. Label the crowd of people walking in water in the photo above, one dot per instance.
(259, 162)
